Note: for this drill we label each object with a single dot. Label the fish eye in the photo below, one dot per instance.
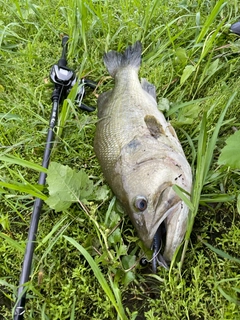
(141, 203)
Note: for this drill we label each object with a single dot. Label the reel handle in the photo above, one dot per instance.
(63, 60)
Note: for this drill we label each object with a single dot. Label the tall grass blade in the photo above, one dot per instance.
(54, 229)
(52, 242)
(24, 163)
(25, 189)
(73, 309)
(206, 146)
(13, 243)
(78, 24)
(177, 106)
(213, 140)
(66, 108)
(220, 252)
(99, 276)
(211, 17)
(149, 10)
(228, 297)
(181, 193)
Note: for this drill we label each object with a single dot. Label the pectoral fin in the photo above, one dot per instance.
(154, 126)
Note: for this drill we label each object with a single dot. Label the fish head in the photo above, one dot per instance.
(146, 192)
(149, 202)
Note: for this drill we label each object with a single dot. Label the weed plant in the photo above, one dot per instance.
(86, 259)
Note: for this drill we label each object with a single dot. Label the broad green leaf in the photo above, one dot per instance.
(66, 186)
(100, 193)
(121, 250)
(188, 70)
(164, 105)
(129, 277)
(128, 261)
(9, 116)
(115, 237)
(181, 55)
(230, 153)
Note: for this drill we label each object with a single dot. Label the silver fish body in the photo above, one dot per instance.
(140, 154)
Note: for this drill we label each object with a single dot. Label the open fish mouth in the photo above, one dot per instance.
(157, 259)
(157, 245)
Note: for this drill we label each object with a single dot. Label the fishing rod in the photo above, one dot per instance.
(64, 79)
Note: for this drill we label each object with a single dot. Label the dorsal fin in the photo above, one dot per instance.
(149, 88)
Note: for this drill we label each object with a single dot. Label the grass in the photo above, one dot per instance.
(86, 260)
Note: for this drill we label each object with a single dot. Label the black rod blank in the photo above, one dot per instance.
(62, 79)
(28, 257)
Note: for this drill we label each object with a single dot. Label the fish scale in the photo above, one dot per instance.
(140, 154)
(117, 126)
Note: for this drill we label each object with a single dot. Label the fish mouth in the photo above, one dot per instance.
(159, 238)
(157, 245)
(157, 229)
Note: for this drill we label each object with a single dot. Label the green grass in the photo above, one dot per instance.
(86, 260)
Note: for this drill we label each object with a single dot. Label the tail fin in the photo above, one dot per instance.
(114, 60)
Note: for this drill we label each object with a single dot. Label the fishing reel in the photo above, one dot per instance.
(235, 28)
(65, 78)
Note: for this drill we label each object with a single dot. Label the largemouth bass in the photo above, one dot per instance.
(140, 154)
